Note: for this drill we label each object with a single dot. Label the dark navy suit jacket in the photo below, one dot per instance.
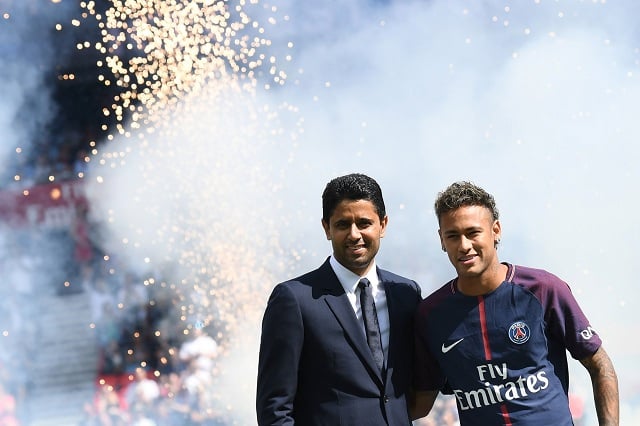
(315, 367)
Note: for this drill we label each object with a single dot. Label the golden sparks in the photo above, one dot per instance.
(158, 52)
(170, 61)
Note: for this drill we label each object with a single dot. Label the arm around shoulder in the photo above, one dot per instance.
(421, 403)
(605, 387)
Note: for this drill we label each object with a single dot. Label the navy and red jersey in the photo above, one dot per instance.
(503, 354)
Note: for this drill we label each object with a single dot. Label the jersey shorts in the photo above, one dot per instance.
(503, 354)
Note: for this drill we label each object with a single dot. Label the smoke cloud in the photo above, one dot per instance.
(533, 100)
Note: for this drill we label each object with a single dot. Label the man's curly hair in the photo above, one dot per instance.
(463, 193)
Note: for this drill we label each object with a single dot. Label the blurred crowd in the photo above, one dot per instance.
(154, 366)
(181, 391)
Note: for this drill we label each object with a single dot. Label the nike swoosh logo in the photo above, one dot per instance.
(446, 349)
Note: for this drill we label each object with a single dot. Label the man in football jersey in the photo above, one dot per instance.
(495, 336)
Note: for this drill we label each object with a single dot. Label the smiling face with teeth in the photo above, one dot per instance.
(355, 230)
(468, 234)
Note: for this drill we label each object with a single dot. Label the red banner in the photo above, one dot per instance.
(47, 206)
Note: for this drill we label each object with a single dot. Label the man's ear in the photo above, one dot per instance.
(497, 231)
(383, 225)
(326, 228)
(441, 241)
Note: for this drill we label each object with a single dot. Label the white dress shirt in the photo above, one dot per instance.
(349, 282)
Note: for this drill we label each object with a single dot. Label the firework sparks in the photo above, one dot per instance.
(159, 52)
(182, 184)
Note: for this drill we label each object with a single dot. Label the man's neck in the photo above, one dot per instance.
(484, 283)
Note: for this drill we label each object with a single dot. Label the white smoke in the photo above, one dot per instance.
(533, 100)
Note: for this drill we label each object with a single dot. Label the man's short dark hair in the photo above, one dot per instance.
(355, 186)
(463, 193)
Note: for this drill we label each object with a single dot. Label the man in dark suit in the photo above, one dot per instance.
(316, 366)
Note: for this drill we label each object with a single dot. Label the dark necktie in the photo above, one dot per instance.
(371, 322)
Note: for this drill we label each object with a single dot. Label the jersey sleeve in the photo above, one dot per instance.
(565, 320)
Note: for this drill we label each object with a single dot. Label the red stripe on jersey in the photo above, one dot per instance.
(505, 415)
(483, 328)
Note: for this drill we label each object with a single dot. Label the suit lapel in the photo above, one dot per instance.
(339, 304)
(390, 305)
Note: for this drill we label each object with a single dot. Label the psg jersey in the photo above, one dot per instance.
(503, 354)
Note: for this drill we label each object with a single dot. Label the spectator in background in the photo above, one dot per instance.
(142, 417)
(198, 355)
(173, 406)
(142, 393)
(108, 407)
(203, 411)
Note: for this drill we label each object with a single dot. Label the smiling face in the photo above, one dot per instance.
(468, 234)
(355, 230)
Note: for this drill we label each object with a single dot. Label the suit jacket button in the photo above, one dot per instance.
(385, 399)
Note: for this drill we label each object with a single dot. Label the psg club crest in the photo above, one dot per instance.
(519, 332)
